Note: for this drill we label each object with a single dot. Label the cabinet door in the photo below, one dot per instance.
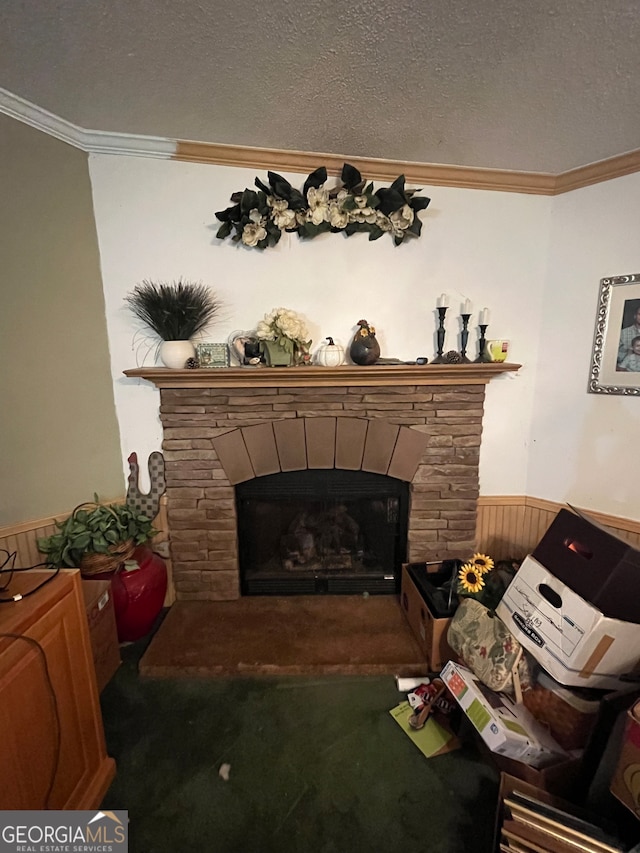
(49, 715)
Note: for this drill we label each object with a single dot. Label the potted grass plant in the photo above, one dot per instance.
(176, 312)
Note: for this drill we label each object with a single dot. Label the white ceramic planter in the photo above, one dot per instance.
(175, 353)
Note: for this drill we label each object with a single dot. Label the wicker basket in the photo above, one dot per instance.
(93, 563)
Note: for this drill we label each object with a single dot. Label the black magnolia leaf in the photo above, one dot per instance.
(249, 201)
(415, 227)
(375, 232)
(262, 186)
(390, 200)
(316, 179)
(419, 203)
(224, 230)
(351, 228)
(280, 186)
(398, 185)
(350, 176)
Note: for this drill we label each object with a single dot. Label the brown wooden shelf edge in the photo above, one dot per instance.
(313, 375)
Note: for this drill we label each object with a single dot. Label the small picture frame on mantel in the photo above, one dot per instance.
(212, 355)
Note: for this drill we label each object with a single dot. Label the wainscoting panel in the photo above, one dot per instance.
(22, 538)
(507, 526)
(511, 526)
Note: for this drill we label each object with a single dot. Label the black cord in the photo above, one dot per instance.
(11, 556)
(54, 704)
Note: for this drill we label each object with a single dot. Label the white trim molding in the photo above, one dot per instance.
(91, 141)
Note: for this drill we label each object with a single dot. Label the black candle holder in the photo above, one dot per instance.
(464, 338)
(482, 358)
(440, 333)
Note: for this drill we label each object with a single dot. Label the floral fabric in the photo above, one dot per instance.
(485, 644)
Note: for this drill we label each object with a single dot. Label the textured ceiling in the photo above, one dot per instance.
(547, 85)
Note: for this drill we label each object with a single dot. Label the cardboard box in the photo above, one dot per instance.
(430, 631)
(567, 635)
(595, 564)
(102, 629)
(625, 784)
(507, 728)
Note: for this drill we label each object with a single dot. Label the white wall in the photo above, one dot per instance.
(155, 219)
(584, 446)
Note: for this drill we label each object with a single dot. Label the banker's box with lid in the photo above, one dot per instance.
(569, 637)
(600, 567)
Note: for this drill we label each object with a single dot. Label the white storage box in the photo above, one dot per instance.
(569, 637)
(506, 728)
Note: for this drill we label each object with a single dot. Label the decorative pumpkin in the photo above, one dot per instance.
(330, 354)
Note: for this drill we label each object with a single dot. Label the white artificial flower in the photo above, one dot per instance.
(285, 218)
(383, 221)
(365, 214)
(318, 205)
(402, 219)
(337, 216)
(252, 233)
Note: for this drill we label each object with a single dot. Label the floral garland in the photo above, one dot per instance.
(257, 219)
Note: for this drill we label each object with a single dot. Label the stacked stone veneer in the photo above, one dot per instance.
(214, 438)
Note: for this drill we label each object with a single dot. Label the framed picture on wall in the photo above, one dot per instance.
(615, 361)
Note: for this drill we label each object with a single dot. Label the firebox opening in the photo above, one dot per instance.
(322, 532)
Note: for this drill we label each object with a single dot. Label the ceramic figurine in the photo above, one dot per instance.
(364, 349)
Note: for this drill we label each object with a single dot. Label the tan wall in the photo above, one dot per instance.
(60, 440)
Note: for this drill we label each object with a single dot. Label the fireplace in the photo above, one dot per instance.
(321, 531)
(227, 433)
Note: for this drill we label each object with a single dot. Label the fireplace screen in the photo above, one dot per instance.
(321, 531)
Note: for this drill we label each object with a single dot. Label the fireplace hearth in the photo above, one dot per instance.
(321, 532)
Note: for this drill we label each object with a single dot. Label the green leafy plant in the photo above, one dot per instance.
(94, 528)
(257, 219)
(175, 311)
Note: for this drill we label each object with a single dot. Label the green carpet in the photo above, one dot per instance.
(317, 764)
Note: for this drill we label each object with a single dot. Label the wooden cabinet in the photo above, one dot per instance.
(53, 752)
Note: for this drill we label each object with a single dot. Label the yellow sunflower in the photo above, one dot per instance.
(482, 563)
(470, 578)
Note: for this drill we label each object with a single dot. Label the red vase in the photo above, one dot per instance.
(138, 594)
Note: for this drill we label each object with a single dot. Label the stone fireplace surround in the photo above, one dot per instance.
(221, 427)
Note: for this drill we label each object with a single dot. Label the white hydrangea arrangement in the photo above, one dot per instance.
(286, 327)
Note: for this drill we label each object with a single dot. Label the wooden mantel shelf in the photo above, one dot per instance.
(315, 376)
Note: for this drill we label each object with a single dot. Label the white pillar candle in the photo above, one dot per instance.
(443, 301)
(484, 317)
(467, 308)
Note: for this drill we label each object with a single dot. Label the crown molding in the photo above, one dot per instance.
(539, 183)
(239, 156)
(91, 141)
(596, 173)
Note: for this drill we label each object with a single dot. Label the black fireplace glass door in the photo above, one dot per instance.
(321, 531)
